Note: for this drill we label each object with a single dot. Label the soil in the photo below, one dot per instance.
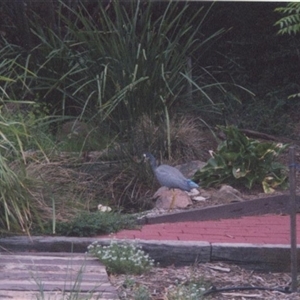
(162, 283)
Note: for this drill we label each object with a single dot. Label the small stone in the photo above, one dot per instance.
(193, 192)
(228, 194)
(221, 269)
(199, 198)
(104, 208)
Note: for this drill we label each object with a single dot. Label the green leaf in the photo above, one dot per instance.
(243, 161)
(289, 24)
(238, 173)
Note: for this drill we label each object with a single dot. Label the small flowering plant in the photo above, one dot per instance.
(122, 258)
(192, 290)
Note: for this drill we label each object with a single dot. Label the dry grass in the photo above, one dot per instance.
(65, 186)
(75, 185)
(188, 140)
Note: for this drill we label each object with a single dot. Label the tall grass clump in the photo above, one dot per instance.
(114, 62)
(15, 213)
(15, 209)
(20, 131)
(186, 137)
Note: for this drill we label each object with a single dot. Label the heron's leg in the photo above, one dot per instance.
(173, 200)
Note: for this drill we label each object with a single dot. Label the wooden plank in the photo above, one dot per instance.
(273, 204)
(67, 246)
(48, 273)
(55, 295)
(178, 253)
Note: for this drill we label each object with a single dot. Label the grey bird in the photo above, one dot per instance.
(170, 177)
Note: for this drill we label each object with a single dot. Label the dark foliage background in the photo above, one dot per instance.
(255, 56)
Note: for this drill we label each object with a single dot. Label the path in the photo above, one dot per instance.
(266, 229)
(53, 276)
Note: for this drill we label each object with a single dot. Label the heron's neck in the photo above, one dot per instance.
(153, 163)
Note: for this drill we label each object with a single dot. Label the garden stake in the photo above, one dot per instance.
(293, 223)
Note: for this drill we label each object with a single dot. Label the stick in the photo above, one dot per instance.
(293, 223)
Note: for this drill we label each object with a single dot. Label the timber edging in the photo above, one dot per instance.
(271, 258)
(278, 204)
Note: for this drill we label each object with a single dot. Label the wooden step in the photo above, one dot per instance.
(53, 276)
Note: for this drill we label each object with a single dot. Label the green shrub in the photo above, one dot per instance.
(122, 258)
(190, 291)
(290, 23)
(26, 126)
(142, 293)
(244, 161)
(16, 210)
(90, 224)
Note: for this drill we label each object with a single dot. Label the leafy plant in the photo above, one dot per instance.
(244, 161)
(122, 258)
(290, 23)
(27, 126)
(191, 291)
(142, 293)
(91, 224)
(191, 288)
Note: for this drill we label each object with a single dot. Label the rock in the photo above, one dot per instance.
(195, 195)
(104, 208)
(193, 192)
(206, 194)
(165, 196)
(228, 194)
(73, 130)
(199, 198)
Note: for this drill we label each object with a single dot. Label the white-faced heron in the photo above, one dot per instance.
(170, 177)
